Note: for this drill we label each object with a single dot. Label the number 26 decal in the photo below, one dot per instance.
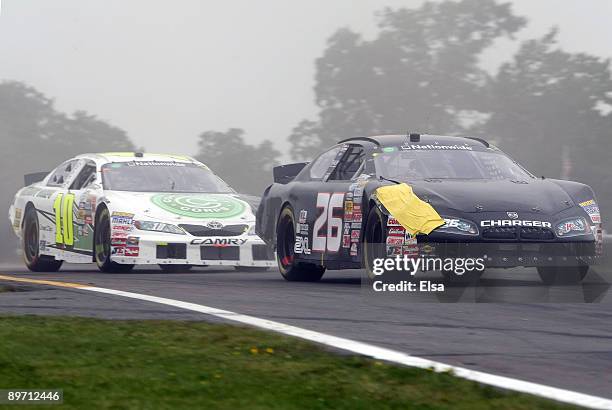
(64, 230)
(328, 239)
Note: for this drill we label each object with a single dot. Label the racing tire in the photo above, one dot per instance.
(30, 245)
(562, 275)
(102, 246)
(175, 268)
(374, 240)
(472, 277)
(285, 256)
(251, 268)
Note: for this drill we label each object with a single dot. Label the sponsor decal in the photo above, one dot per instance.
(42, 245)
(436, 146)
(117, 241)
(132, 252)
(354, 249)
(219, 242)
(357, 217)
(396, 231)
(302, 228)
(17, 220)
(301, 245)
(392, 222)
(508, 222)
(346, 241)
(132, 241)
(395, 241)
(394, 250)
(355, 235)
(303, 216)
(122, 218)
(591, 208)
(150, 164)
(200, 206)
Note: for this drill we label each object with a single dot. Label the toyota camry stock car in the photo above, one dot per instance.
(329, 214)
(123, 209)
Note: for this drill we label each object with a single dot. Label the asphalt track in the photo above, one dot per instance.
(565, 345)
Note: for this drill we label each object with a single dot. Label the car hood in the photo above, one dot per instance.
(181, 207)
(494, 195)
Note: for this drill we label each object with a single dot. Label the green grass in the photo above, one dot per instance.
(167, 364)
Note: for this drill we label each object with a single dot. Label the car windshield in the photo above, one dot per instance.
(161, 176)
(419, 164)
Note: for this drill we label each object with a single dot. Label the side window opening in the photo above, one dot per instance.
(350, 164)
(85, 177)
(321, 165)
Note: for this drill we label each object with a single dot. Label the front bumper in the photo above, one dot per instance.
(155, 249)
(507, 255)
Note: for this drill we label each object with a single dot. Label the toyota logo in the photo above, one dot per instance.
(512, 215)
(214, 225)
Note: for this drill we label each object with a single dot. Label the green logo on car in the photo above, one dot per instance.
(199, 206)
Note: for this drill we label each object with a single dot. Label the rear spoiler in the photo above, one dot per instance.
(29, 179)
(284, 174)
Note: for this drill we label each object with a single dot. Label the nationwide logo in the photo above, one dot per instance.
(200, 206)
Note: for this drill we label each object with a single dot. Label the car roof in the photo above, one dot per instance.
(105, 157)
(423, 139)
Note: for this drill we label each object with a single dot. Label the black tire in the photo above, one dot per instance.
(175, 268)
(102, 247)
(374, 239)
(285, 256)
(30, 245)
(251, 268)
(562, 275)
(466, 278)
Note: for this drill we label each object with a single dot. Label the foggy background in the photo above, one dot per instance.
(245, 85)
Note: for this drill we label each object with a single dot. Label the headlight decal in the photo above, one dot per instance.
(458, 226)
(158, 227)
(572, 227)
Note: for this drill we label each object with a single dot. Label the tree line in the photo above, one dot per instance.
(548, 108)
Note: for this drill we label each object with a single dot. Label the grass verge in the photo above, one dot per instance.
(167, 364)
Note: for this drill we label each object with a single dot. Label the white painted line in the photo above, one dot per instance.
(561, 395)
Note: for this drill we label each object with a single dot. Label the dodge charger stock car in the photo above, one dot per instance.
(425, 196)
(123, 209)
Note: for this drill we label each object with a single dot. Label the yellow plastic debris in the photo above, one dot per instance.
(415, 215)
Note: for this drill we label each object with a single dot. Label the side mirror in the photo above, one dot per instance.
(284, 174)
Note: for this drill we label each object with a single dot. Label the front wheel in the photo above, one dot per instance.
(285, 255)
(374, 240)
(30, 246)
(102, 246)
(551, 275)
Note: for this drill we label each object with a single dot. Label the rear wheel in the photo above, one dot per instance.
(562, 275)
(175, 268)
(30, 245)
(285, 255)
(102, 246)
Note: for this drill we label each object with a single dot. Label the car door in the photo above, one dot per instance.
(322, 233)
(84, 189)
(59, 210)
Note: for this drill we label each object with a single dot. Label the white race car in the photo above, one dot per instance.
(123, 209)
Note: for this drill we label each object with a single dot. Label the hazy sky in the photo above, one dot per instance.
(167, 70)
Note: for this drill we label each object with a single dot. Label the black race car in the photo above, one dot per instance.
(325, 214)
